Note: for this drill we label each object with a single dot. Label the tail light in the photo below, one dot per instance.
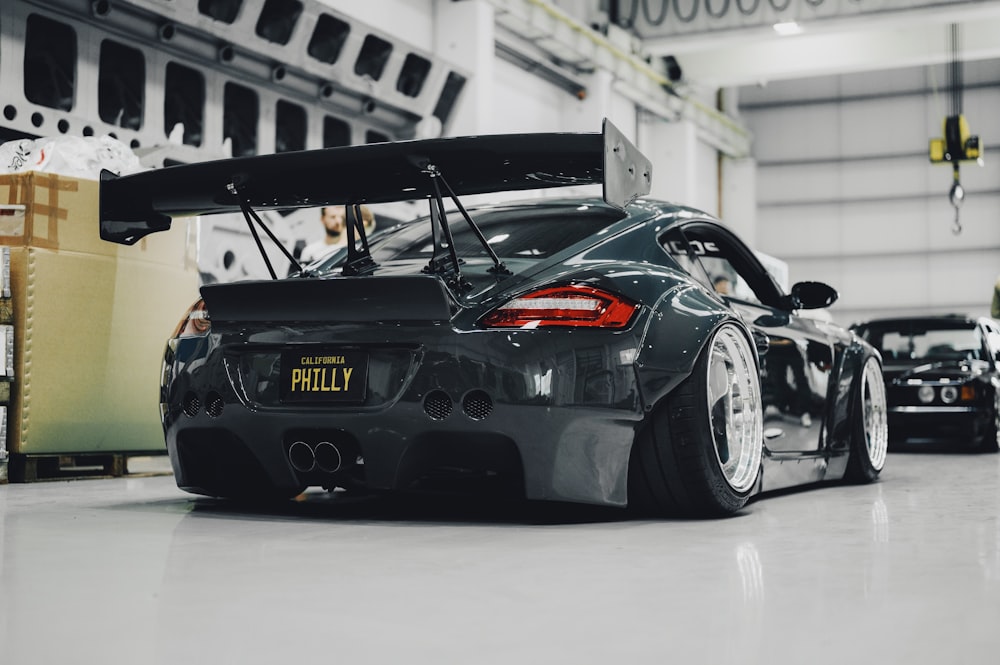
(195, 323)
(573, 306)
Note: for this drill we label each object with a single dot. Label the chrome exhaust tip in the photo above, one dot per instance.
(302, 457)
(327, 456)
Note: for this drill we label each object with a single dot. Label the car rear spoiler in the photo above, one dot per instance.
(136, 205)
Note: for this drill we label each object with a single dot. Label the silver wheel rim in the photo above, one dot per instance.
(874, 414)
(734, 407)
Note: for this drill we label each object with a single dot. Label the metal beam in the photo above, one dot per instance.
(831, 38)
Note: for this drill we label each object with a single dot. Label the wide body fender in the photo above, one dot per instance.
(680, 324)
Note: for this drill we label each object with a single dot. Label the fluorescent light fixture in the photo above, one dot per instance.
(787, 28)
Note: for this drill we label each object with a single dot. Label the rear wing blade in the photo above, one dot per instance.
(136, 205)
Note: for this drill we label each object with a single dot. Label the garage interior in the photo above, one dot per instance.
(804, 124)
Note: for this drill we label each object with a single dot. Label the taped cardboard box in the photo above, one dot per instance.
(90, 320)
(37, 213)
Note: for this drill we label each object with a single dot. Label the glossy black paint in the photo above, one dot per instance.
(963, 422)
(546, 413)
(808, 369)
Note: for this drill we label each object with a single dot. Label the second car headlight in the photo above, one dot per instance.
(949, 394)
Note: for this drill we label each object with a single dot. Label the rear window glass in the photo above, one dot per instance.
(534, 234)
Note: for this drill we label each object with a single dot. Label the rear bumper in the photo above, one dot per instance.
(546, 416)
(536, 452)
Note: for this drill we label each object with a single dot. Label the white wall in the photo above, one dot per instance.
(525, 103)
(846, 192)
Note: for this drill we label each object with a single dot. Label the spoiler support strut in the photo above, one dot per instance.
(251, 217)
(439, 265)
(359, 262)
(439, 227)
(498, 266)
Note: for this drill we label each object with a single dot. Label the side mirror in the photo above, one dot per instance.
(811, 295)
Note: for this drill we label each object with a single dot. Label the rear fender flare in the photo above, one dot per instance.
(679, 325)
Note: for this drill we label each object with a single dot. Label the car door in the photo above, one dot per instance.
(797, 363)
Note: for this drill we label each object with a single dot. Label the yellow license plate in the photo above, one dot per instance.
(324, 376)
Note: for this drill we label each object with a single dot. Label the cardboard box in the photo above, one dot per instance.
(90, 320)
(3, 445)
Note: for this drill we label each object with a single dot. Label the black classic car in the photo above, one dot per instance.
(571, 349)
(942, 379)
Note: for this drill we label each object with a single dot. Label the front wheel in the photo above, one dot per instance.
(700, 451)
(870, 433)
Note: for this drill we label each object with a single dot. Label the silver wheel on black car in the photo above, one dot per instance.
(734, 407)
(870, 440)
(700, 451)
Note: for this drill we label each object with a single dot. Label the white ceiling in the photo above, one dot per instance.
(900, 33)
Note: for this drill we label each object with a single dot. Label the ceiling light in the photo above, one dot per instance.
(787, 28)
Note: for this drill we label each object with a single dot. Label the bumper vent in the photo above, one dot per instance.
(214, 404)
(191, 405)
(477, 405)
(438, 405)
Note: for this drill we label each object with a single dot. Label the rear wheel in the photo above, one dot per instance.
(870, 434)
(700, 450)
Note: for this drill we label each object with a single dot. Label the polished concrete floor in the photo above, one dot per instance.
(132, 570)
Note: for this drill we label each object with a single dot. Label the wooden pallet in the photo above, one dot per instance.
(38, 468)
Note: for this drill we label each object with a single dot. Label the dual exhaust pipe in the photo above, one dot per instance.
(323, 456)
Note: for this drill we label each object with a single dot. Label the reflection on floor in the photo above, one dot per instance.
(132, 570)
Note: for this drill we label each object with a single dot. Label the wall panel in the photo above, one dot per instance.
(846, 192)
(795, 231)
(876, 126)
(791, 133)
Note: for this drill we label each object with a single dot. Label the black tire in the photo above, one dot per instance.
(677, 466)
(869, 429)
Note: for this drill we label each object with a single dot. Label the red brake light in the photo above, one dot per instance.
(195, 323)
(574, 306)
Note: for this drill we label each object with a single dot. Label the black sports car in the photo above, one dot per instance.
(942, 379)
(568, 349)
